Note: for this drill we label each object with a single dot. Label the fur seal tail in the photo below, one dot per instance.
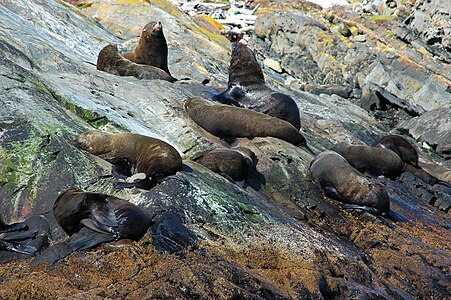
(84, 239)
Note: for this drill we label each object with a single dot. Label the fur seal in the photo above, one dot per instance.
(151, 48)
(371, 160)
(401, 146)
(409, 156)
(132, 153)
(340, 181)
(91, 219)
(226, 121)
(235, 164)
(110, 61)
(247, 89)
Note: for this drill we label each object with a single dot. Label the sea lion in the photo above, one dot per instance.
(371, 160)
(226, 121)
(340, 181)
(401, 146)
(110, 61)
(91, 219)
(247, 89)
(132, 153)
(151, 48)
(235, 164)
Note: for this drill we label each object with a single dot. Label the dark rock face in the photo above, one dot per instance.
(276, 238)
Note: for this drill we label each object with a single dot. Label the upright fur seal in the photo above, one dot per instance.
(132, 153)
(371, 160)
(409, 156)
(235, 164)
(246, 88)
(91, 219)
(226, 121)
(151, 48)
(340, 181)
(110, 61)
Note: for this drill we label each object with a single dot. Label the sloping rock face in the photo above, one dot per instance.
(277, 237)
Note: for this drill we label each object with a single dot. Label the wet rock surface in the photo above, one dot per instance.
(273, 237)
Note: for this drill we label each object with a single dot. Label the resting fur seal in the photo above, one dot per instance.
(235, 164)
(340, 181)
(401, 146)
(226, 121)
(132, 153)
(90, 219)
(151, 48)
(409, 156)
(110, 61)
(371, 160)
(246, 88)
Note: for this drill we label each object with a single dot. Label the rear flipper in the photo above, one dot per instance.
(12, 227)
(444, 183)
(16, 247)
(362, 207)
(84, 239)
(19, 236)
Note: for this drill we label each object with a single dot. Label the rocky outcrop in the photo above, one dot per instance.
(276, 237)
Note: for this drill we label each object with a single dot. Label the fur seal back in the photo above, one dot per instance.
(371, 160)
(233, 163)
(247, 89)
(110, 61)
(340, 181)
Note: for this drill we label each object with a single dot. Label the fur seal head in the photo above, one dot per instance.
(244, 67)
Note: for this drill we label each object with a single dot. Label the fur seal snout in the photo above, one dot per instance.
(247, 89)
(151, 48)
(132, 153)
(109, 60)
(226, 121)
(91, 219)
(340, 181)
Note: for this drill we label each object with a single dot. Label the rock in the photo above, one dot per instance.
(276, 238)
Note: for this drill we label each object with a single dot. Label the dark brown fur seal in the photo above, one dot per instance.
(91, 219)
(110, 61)
(401, 146)
(226, 121)
(151, 48)
(371, 160)
(409, 156)
(246, 88)
(340, 181)
(235, 164)
(132, 153)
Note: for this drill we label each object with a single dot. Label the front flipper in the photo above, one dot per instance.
(361, 207)
(16, 247)
(102, 217)
(122, 167)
